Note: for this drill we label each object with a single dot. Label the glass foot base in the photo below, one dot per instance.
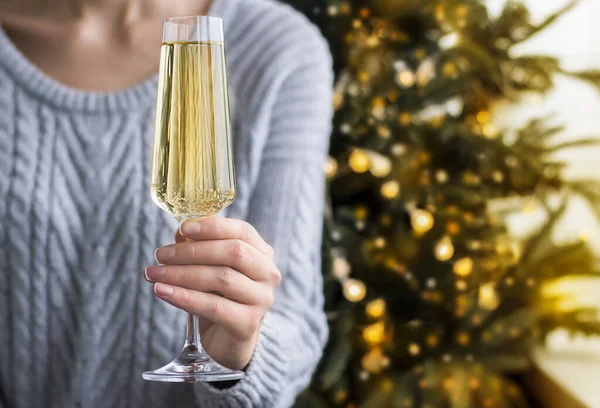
(191, 366)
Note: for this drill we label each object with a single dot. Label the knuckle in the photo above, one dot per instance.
(217, 307)
(186, 298)
(246, 231)
(252, 323)
(238, 249)
(276, 276)
(227, 276)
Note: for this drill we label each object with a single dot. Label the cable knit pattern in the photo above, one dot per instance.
(78, 324)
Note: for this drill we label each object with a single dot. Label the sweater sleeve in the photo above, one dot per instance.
(287, 210)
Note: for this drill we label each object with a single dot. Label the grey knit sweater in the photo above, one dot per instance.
(78, 323)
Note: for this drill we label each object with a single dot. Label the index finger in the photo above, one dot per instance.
(224, 228)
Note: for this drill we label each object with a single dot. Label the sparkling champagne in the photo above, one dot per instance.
(192, 171)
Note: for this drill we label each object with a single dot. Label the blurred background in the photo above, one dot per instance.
(461, 244)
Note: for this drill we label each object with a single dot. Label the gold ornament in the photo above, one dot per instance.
(374, 334)
(421, 221)
(376, 308)
(463, 267)
(331, 167)
(359, 161)
(372, 362)
(390, 189)
(414, 349)
(444, 250)
(380, 165)
(488, 297)
(354, 290)
(341, 268)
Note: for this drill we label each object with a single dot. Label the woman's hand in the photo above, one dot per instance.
(223, 271)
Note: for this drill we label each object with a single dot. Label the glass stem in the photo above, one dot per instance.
(192, 333)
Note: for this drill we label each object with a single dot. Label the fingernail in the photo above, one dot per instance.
(190, 227)
(163, 290)
(154, 273)
(164, 253)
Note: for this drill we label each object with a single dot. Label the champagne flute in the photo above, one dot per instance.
(192, 167)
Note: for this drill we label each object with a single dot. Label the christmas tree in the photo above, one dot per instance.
(432, 302)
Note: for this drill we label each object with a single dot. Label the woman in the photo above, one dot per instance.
(78, 321)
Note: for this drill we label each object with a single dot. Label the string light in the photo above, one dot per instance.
(383, 132)
(378, 110)
(405, 78)
(441, 176)
(380, 165)
(421, 221)
(414, 349)
(488, 297)
(372, 362)
(331, 167)
(359, 161)
(463, 267)
(341, 268)
(354, 290)
(404, 118)
(390, 189)
(461, 285)
(376, 308)
(374, 334)
(463, 339)
(453, 228)
(398, 149)
(444, 250)
(432, 340)
(426, 72)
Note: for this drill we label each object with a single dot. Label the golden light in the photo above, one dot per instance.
(378, 110)
(331, 167)
(374, 334)
(463, 267)
(488, 297)
(390, 189)
(404, 118)
(450, 69)
(498, 176)
(432, 340)
(381, 166)
(461, 285)
(359, 161)
(379, 242)
(354, 290)
(376, 308)
(414, 349)
(483, 117)
(373, 361)
(444, 250)
(421, 221)
(361, 212)
(441, 176)
(453, 228)
(490, 131)
(384, 132)
(341, 268)
(463, 339)
(341, 395)
(405, 78)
